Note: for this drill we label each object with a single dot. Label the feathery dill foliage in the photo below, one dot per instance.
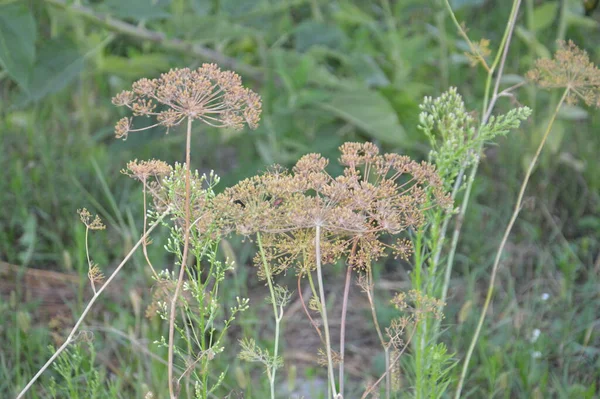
(207, 94)
(376, 195)
(570, 68)
(453, 133)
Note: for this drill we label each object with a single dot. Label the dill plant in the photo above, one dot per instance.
(306, 219)
(180, 96)
(218, 99)
(454, 140)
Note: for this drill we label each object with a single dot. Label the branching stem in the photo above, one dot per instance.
(71, 335)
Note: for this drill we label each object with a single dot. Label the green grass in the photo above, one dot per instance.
(58, 155)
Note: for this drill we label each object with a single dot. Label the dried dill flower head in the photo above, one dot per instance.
(144, 170)
(376, 196)
(92, 223)
(571, 69)
(207, 94)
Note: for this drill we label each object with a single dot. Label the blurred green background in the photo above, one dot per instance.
(328, 72)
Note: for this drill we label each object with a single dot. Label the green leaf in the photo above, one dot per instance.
(202, 7)
(59, 63)
(572, 112)
(137, 9)
(134, 66)
(17, 42)
(580, 21)
(211, 28)
(312, 33)
(369, 111)
(535, 45)
(555, 138)
(544, 15)
(457, 4)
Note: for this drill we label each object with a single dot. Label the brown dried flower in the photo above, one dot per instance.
(208, 94)
(94, 223)
(377, 195)
(571, 69)
(143, 170)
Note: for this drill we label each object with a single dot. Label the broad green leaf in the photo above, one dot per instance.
(137, 65)
(17, 42)
(312, 33)
(456, 4)
(555, 138)
(367, 69)
(572, 112)
(534, 44)
(58, 64)
(202, 7)
(213, 28)
(369, 111)
(544, 15)
(137, 9)
(580, 21)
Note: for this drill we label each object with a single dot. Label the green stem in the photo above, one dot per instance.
(186, 245)
(513, 218)
(323, 308)
(278, 316)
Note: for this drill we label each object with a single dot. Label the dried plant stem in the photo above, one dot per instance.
(511, 223)
(186, 244)
(389, 366)
(343, 328)
(89, 261)
(145, 243)
(71, 335)
(278, 314)
(323, 308)
(343, 321)
(306, 311)
(385, 345)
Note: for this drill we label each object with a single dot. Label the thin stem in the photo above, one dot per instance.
(386, 347)
(496, 265)
(324, 312)
(343, 321)
(186, 244)
(89, 261)
(69, 338)
(145, 244)
(278, 315)
(314, 324)
(390, 366)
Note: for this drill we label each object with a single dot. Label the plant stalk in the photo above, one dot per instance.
(331, 376)
(278, 316)
(186, 245)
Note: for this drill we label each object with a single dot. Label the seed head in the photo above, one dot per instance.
(143, 170)
(571, 69)
(92, 223)
(208, 94)
(375, 196)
